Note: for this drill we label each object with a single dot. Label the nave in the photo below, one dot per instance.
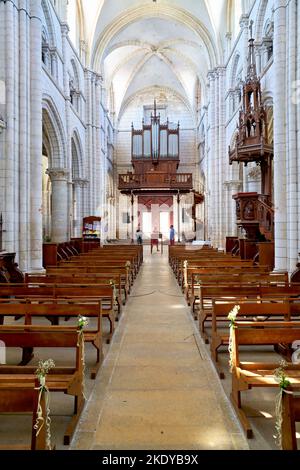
(161, 384)
(157, 388)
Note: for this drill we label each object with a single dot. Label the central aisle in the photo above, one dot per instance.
(157, 388)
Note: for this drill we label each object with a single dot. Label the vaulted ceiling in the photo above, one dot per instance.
(140, 44)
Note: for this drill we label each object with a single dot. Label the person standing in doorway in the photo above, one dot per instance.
(154, 239)
(172, 235)
(139, 236)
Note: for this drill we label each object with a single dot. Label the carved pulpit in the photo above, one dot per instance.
(254, 211)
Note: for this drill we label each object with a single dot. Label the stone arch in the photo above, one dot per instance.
(53, 129)
(75, 75)
(162, 11)
(154, 90)
(260, 19)
(49, 24)
(77, 156)
(234, 70)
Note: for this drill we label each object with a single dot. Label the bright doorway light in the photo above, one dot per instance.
(147, 224)
(164, 224)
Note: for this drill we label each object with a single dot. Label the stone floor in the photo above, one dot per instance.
(157, 388)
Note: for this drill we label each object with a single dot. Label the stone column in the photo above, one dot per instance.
(9, 149)
(292, 180)
(36, 171)
(78, 188)
(211, 203)
(244, 24)
(60, 220)
(178, 217)
(223, 166)
(68, 162)
(24, 150)
(89, 142)
(296, 103)
(259, 52)
(279, 88)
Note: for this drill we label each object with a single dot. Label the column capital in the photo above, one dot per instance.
(82, 182)
(211, 75)
(233, 184)
(244, 21)
(58, 174)
(64, 29)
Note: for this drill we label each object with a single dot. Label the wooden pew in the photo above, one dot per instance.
(248, 375)
(68, 380)
(82, 270)
(273, 309)
(119, 276)
(17, 395)
(290, 415)
(232, 277)
(102, 293)
(229, 293)
(104, 266)
(76, 280)
(36, 308)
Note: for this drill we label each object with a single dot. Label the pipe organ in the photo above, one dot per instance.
(155, 141)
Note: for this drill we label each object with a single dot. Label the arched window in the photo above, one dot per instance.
(45, 50)
(267, 42)
(74, 87)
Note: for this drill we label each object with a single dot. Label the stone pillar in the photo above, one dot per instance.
(279, 88)
(223, 167)
(78, 189)
(24, 150)
(244, 24)
(292, 180)
(9, 149)
(60, 220)
(259, 57)
(89, 142)
(296, 103)
(100, 193)
(68, 162)
(178, 217)
(36, 219)
(211, 160)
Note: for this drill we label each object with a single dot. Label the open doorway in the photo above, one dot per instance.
(147, 224)
(164, 224)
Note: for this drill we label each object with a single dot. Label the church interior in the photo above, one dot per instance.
(149, 225)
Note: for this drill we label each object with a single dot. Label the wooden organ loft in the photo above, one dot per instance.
(155, 159)
(254, 212)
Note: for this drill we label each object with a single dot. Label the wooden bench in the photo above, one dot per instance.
(82, 270)
(290, 415)
(229, 293)
(265, 309)
(234, 276)
(68, 380)
(248, 375)
(36, 308)
(80, 281)
(105, 294)
(17, 395)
